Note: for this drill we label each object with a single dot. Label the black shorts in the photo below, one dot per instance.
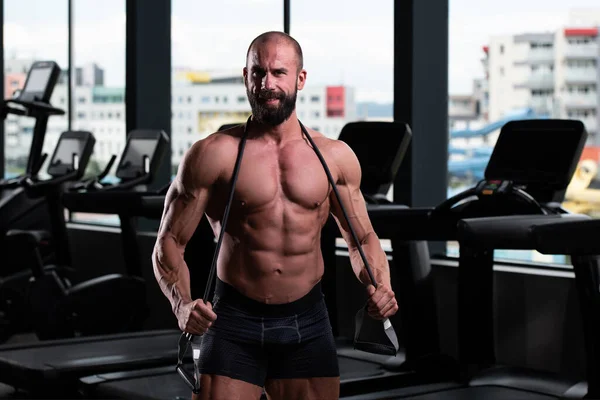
(253, 341)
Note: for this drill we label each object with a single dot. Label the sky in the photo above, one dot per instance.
(344, 42)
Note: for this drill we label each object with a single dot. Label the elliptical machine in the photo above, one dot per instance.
(113, 303)
(19, 210)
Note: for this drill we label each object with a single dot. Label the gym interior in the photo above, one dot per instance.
(486, 214)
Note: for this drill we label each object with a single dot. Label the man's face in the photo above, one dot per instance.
(272, 81)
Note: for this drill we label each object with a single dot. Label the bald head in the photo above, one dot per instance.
(279, 38)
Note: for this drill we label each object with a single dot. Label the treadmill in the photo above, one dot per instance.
(380, 154)
(534, 184)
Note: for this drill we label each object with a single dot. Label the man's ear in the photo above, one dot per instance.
(301, 80)
(245, 75)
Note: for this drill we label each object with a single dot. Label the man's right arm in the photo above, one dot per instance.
(184, 206)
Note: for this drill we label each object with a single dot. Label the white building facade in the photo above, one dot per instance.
(557, 74)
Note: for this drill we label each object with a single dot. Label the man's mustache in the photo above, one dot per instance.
(269, 95)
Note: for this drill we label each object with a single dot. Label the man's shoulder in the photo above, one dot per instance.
(326, 142)
(335, 147)
(220, 142)
(207, 158)
(337, 151)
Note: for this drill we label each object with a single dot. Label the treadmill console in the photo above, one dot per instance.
(143, 154)
(529, 170)
(72, 153)
(539, 156)
(40, 82)
(493, 187)
(380, 148)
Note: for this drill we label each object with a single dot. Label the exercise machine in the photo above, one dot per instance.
(527, 186)
(68, 163)
(549, 234)
(18, 210)
(112, 303)
(129, 198)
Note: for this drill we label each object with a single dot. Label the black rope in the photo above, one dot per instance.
(236, 170)
(333, 186)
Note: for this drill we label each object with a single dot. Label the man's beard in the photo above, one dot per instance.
(271, 115)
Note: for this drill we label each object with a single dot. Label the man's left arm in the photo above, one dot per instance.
(382, 302)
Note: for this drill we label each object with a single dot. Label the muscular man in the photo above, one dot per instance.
(267, 325)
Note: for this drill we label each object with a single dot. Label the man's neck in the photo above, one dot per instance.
(287, 130)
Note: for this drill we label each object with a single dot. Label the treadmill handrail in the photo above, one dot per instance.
(32, 108)
(508, 232)
(579, 237)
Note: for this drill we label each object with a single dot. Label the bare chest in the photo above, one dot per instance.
(270, 176)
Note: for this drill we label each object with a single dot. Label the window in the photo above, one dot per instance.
(99, 66)
(216, 62)
(349, 58)
(30, 37)
(525, 37)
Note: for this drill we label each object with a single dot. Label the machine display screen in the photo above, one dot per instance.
(137, 149)
(536, 156)
(66, 148)
(38, 80)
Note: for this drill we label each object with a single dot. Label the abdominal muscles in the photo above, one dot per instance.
(274, 255)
